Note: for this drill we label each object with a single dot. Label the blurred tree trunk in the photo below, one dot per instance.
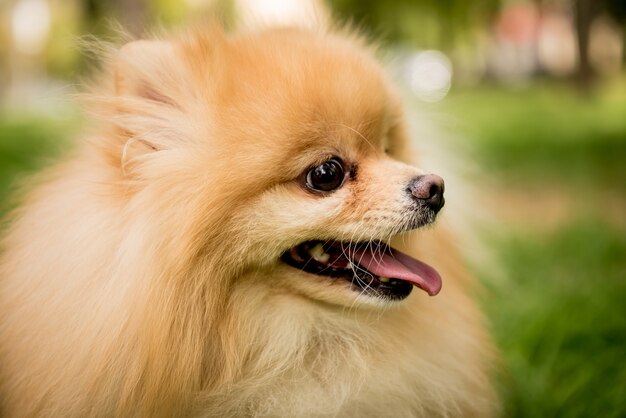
(585, 12)
(617, 9)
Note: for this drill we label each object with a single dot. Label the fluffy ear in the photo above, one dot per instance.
(150, 78)
(143, 69)
(159, 88)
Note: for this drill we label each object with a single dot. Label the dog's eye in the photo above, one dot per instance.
(327, 176)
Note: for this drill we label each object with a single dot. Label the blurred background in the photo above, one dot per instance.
(532, 94)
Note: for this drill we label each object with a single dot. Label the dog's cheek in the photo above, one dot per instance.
(285, 216)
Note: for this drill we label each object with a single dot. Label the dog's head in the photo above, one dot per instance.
(279, 154)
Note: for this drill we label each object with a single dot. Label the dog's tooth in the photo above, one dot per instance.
(384, 279)
(319, 254)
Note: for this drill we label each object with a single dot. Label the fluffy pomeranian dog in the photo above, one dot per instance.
(231, 242)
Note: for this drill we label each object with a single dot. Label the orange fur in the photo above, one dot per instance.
(142, 277)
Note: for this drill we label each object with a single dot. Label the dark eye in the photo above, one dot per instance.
(327, 176)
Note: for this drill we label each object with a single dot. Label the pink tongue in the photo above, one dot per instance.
(394, 264)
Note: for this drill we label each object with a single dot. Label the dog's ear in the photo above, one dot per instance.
(149, 81)
(158, 90)
(143, 69)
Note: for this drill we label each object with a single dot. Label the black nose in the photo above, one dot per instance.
(428, 189)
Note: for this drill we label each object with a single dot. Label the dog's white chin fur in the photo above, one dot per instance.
(135, 280)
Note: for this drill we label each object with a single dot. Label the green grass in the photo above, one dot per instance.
(548, 132)
(27, 144)
(559, 315)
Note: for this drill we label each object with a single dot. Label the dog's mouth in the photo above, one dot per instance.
(372, 268)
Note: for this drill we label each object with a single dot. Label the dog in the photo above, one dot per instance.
(231, 239)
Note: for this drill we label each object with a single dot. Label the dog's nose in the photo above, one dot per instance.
(429, 189)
